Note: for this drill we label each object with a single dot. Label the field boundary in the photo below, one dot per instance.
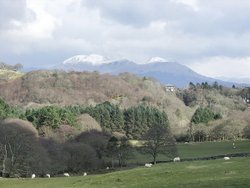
(246, 154)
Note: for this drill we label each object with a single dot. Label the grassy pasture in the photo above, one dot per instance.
(214, 173)
(206, 149)
(194, 150)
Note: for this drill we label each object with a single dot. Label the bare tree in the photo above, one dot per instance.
(158, 139)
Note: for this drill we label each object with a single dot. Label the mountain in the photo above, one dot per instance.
(159, 68)
(92, 59)
(238, 80)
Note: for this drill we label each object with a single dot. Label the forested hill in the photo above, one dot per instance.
(57, 87)
(42, 88)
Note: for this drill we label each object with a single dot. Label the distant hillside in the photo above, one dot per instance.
(57, 87)
(9, 72)
(40, 88)
(6, 75)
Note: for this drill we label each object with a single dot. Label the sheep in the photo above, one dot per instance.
(33, 176)
(234, 146)
(85, 174)
(48, 175)
(148, 165)
(107, 168)
(177, 159)
(226, 158)
(66, 174)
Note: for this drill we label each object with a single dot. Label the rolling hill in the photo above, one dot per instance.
(41, 88)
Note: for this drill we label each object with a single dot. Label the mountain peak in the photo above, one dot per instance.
(157, 60)
(93, 59)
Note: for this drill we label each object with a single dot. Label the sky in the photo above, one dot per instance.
(211, 37)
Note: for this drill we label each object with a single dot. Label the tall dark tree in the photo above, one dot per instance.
(112, 149)
(159, 139)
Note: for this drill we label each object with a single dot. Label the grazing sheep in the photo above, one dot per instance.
(148, 165)
(85, 174)
(177, 159)
(234, 146)
(48, 175)
(107, 168)
(226, 158)
(33, 176)
(66, 174)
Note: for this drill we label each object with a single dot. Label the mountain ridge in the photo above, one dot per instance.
(159, 68)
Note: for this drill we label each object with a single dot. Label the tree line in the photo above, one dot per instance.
(133, 122)
(23, 151)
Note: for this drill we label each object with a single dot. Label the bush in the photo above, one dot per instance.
(204, 115)
(246, 132)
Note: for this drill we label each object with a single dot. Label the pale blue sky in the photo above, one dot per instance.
(212, 37)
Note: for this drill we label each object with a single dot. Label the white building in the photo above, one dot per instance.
(170, 87)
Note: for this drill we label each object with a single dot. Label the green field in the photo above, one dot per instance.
(215, 173)
(206, 149)
(212, 173)
(194, 150)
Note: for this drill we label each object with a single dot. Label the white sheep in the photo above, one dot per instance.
(85, 174)
(107, 168)
(66, 174)
(226, 158)
(177, 159)
(148, 165)
(48, 175)
(33, 176)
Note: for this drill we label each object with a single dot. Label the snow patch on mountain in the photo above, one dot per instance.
(157, 60)
(93, 59)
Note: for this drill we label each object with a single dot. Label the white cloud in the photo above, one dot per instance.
(183, 30)
(223, 67)
(192, 3)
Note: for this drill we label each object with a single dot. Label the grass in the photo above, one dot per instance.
(212, 173)
(217, 173)
(194, 150)
(207, 149)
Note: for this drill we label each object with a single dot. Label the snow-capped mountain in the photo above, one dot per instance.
(159, 68)
(93, 59)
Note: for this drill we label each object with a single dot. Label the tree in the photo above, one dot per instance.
(22, 154)
(4, 109)
(246, 132)
(52, 116)
(191, 85)
(159, 139)
(112, 149)
(204, 115)
(18, 66)
(97, 140)
(80, 157)
(118, 148)
(189, 97)
(124, 151)
(215, 85)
